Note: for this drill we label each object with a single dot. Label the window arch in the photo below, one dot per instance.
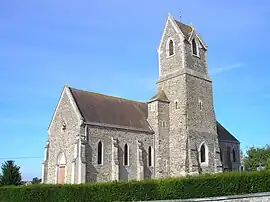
(176, 104)
(194, 47)
(200, 104)
(202, 153)
(150, 156)
(100, 152)
(234, 155)
(126, 155)
(171, 47)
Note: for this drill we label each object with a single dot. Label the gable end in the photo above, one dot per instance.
(66, 91)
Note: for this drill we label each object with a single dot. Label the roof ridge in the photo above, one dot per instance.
(183, 23)
(108, 96)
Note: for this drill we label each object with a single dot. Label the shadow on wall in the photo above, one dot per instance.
(147, 171)
(91, 172)
(123, 172)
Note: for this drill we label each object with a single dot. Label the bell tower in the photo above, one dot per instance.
(183, 78)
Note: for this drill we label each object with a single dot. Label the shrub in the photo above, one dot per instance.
(171, 188)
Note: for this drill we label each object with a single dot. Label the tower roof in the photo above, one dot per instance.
(160, 96)
(186, 29)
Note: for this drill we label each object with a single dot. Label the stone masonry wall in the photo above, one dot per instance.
(227, 156)
(172, 63)
(102, 173)
(194, 62)
(175, 89)
(202, 123)
(62, 140)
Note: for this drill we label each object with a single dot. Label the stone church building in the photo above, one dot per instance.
(94, 137)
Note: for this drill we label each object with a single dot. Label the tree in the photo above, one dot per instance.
(35, 180)
(257, 156)
(10, 174)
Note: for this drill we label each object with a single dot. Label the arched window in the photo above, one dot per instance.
(202, 152)
(149, 156)
(194, 47)
(171, 48)
(234, 156)
(126, 155)
(176, 104)
(99, 152)
(200, 104)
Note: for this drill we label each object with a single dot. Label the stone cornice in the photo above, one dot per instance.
(119, 127)
(182, 71)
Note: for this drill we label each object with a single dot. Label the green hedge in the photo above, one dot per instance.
(173, 188)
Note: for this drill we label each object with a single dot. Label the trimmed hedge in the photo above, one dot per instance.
(171, 188)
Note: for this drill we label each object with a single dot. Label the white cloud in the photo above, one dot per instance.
(219, 70)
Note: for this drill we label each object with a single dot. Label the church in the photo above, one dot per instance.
(97, 138)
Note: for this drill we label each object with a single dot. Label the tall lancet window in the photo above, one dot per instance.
(150, 156)
(171, 48)
(100, 152)
(194, 47)
(203, 157)
(234, 155)
(126, 155)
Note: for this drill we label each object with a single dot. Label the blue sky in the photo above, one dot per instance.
(110, 47)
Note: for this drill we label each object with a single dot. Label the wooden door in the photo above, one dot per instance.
(61, 175)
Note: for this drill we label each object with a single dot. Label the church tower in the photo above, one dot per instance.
(191, 140)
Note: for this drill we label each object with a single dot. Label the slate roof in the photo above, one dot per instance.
(104, 109)
(225, 135)
(186, 29)
(160, 96)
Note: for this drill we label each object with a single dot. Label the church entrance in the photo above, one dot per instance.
(61, 169)
(61, 175)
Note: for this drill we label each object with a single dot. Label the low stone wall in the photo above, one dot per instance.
(258, 197)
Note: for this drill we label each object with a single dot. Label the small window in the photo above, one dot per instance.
(203, 159)
(176, 104)
(126, 155)
(153, 107)
(150, 156)
(234, 155)
(200, 104)
(194, 47)
(64, 126)
(163, 124)
(171, 47)
(99, 152)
